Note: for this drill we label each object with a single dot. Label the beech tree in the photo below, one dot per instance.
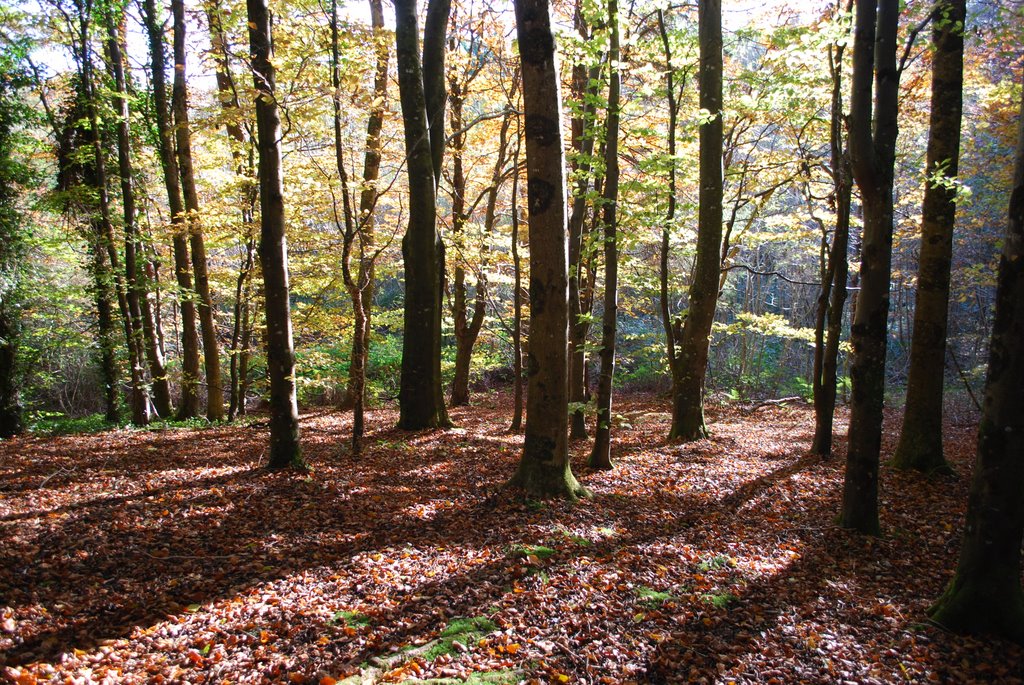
(13, 175)
(544, 468)
(188, 406)
(828, 324)
(284, 410)
(985, 596)
(600, 456)
(691, 363)
(872, 139)
(421, 401)
(193, 221)
(920, 444)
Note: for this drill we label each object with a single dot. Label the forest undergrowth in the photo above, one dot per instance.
(171, 556)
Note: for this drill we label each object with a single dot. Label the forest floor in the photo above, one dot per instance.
(171, 556)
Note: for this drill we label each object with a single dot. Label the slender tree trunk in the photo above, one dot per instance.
(671, 324)
(183, 138)
(920, 445)
(236, 404)
(600, 457)
(284, 410)
(242, 154)
(367, 221)
(467, 328)
(137, 349)
(103, 292)
(189, 406)
(691, 365)
(421, 403)
(829, 317)
(985, 595)
(587, 83)
(12, 262)
(544, 469)
(872, 152)
(517, 301)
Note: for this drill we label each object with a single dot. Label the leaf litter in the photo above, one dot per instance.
(172, 557)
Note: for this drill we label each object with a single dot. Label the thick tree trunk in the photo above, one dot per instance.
(601, 457)
(920, 444)
(985, 595)
(421, 404)
(832, 298)
(691, 365)
(872, 152)
(284, 410)
(183, 138)
(544, 469)
(189, 405)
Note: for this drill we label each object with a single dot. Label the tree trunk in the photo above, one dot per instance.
(872, 153)
(189, 406)
(183, 138)
(367, 221)
(236, 403)
(421, 404)
(517, 301)
(985, 595)
(920, 444)
(137, 348)
(600, 457)
(12, 258)
(691, 365)
(544, 469)
(243, 157)
(829, 317)
(586, 83)
(284, 410)
(671, 323)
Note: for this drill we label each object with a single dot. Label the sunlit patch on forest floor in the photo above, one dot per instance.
(170, 556)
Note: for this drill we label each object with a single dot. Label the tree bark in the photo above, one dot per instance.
(242, 154)
(586, 84)
(920, 444)
(284, 411)
(133, 284)
(189, 404)
(832, 298)
(691, 364)
(517, 301)
(600, 456)
(183, 139)
(421, 403)
(671, 323)
(872, 153)
(544, 468)
(985, 595)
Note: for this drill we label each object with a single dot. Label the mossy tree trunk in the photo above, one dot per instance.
(985, 595)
